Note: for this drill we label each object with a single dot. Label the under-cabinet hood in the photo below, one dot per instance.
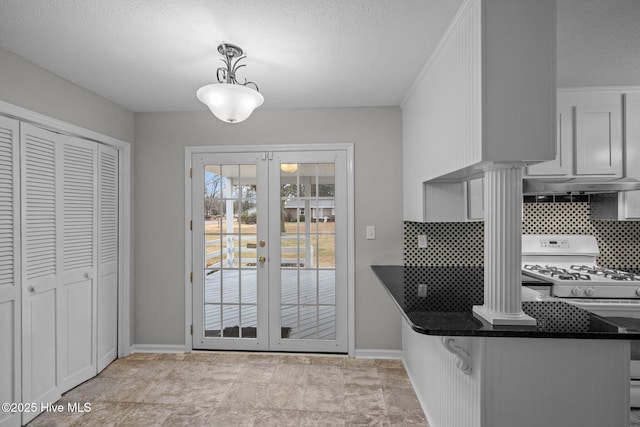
(579, 185)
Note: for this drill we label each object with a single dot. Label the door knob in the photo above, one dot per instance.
(262, 260)
(262, 243)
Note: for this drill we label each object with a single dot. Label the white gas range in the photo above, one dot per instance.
(568, 262)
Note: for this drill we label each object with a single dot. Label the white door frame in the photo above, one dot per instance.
(125, 235)
(347, 147)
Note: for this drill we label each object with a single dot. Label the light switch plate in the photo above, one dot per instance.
(371, 232)
(422, 241)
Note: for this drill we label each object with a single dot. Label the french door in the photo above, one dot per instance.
(269, 235)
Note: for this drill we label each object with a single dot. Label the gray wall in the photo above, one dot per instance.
(159, 206)
(25, 84)
(160, 138)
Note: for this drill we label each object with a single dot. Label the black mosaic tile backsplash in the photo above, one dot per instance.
(448, 289)
(462, 243)
(448, 244)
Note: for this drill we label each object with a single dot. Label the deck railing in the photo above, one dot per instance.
(248, 247)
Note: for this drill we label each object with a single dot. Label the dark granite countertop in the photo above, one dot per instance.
(446, 310)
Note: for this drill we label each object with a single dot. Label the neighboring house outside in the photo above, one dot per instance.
(319, 209)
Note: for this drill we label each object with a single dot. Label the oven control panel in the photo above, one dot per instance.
(554, 243)
(560, 245)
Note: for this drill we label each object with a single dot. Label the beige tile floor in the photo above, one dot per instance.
(243, 389)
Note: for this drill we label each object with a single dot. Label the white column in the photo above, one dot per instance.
(503, 246)
(230, 249)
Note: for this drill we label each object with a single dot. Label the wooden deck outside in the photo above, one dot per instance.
(307, 311)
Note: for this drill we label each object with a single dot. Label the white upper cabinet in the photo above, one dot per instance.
(475, 199)
(487, 94)
(625, 205)
(562, 165)
(631, 200)
(598, 140)
(588, 136)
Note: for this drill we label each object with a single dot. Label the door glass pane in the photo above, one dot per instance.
(308, 250)
(230, 251)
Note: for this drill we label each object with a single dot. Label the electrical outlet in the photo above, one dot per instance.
(422, 241)
(422, 290)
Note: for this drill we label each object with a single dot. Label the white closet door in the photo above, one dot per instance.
(108, 185)
(59, 216)
(41, 223)
(10, 369)
(77, 300)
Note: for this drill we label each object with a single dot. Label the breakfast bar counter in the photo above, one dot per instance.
(439, 301)
(570, 369)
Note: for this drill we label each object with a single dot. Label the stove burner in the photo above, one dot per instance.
(620, 276)
(606, 272)
(556, 272)
(569, 276)
(586, 269)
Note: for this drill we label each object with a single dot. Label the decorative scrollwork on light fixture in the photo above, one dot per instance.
(230, 100)
(232, 56)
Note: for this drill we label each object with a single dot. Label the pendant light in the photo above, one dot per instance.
(289, 167)
(228, 100)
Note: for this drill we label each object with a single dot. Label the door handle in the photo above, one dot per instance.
(262, 260)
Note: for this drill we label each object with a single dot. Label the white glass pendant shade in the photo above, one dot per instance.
(231, 103)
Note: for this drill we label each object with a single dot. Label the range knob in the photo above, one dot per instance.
(638, 292)
(588, 292)
(576, 291)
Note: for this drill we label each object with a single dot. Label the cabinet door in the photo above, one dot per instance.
(631, 199)
(10, 369)
(41, 169)
(475, 199)
(598, 140)
(108, 190)
(562, 164)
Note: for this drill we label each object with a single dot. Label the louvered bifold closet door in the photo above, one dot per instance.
(108, 207)
(59, 216)
(10, 370)
(41, 172)
(77, 305)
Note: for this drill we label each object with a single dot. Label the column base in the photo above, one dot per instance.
(496, 318)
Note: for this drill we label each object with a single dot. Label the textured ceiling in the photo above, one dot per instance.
(152, 55)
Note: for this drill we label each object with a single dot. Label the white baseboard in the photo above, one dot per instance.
(157, 348)
(359, 353)
(364, 353)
